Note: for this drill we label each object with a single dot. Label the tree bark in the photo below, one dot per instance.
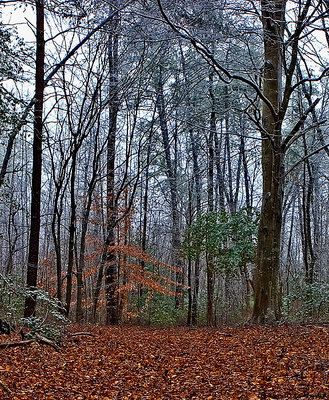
(210, 192)
(72, 228)
(193, 291)
(33, 255)
(268, 249)
(111, 270)
(84, 229)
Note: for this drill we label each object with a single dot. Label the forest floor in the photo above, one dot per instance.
(245, 363)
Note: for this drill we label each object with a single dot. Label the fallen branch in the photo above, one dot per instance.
(81, 334)
(38, 338)
(16, 344)
(43, 340)
(224, 334)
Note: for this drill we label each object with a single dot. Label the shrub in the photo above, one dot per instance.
(307, 302)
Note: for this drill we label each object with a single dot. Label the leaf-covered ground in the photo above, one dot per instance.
(146, 363)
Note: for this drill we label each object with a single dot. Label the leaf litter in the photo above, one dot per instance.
(127, 362)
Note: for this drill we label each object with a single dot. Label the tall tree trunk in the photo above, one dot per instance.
(84, 228)
(111, 270)
(197, 181)
(193, 291)
(210, 191)
(82, 250)
(229, 191)
(33, 255)
(245, 166)
(72, 227)
(189, 261)
(308, 247)
(56, 234)
(268, 249)
(108, 268)
(145, 203)
(172, 181)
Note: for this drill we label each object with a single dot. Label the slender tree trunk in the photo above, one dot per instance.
(210, 191)
(310, 256)
(229, 191)
(72, 229)
(145, 205)
(193, 291)
(109, 262)
(33, 255)
(81, 263)
(56, 234)
(308, 247)
(189, 261)
(197, 180)
(245, 167)
(173, 190)
(84, 229)
(11, 229)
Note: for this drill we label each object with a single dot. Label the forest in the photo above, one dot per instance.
(164, 162)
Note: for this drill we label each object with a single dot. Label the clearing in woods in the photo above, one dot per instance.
(286, 362)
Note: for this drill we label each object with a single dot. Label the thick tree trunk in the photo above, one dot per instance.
(33, 255)
(268, 249)
(109, 264)
(111, 269)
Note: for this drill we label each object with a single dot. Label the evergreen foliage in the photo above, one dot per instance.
(229, 239)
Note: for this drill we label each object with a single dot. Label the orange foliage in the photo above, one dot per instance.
(132, 274)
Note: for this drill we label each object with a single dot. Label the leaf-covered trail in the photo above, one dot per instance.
(145, 363)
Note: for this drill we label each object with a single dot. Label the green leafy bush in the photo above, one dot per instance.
(163, 313)
(307, 302)
(229, 239)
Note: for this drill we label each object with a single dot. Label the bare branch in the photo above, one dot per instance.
(326, 146)
(291, 137)
(54, 71)
(207, 55)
